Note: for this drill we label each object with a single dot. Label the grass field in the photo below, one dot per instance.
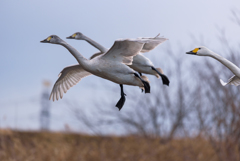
(39, 146)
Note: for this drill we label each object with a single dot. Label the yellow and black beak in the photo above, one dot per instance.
(71, 37)
(47, 40)
(193, 52)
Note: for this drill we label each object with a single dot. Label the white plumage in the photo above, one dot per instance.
(203, 51)
(110, 66)
(68, 77)
(140, 63)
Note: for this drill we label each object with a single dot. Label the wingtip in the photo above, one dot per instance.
(50, 97)
(222, 82)
(157, 35)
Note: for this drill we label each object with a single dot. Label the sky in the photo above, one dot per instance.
(25, 62)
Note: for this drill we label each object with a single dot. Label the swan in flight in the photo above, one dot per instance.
(111, 66)
(140, 63)
(203, 51)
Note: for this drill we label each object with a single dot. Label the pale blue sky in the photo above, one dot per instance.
(25, 62)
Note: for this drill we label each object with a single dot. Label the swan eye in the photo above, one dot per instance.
(199, 48)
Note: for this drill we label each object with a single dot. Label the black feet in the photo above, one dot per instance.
(164, 78)
(121, 102)
(146, 84)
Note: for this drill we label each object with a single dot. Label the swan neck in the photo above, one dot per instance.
(96, 45)
(226, 63)
(78, 56)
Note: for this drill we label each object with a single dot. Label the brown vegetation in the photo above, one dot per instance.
(39, 146)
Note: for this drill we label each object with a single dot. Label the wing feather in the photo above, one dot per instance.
(66, 83)
(153, 43)
(64, 87)
(57, 92)
(68, 77)
(124, 50)
(234, 80)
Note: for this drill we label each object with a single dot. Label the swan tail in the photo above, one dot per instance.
(145, 78)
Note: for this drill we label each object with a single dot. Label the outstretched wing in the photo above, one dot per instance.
(124, 50)
(68, 77)
(234, 80)
(153, 43)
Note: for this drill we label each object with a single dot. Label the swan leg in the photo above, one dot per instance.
(146, 84)
(121, 102)
(164, 78)
(140, 75)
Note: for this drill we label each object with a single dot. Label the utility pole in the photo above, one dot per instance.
(45, 107)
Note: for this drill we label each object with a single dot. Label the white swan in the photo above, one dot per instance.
(203, 51)
(140, 63)
(110, 66)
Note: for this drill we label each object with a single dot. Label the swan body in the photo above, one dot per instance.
(111, 66)
(140, 63)
(203, 51)
(144, 65)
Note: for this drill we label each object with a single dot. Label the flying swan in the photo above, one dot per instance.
(111, 66)
(203, 51)
(140, 63)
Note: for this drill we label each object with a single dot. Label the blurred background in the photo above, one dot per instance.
(194, 106)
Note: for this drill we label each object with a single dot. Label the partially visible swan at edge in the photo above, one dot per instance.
(140, 63)
(203, 51)
(110, 66)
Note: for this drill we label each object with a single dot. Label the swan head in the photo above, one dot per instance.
(77, 35)
(53, 39)
(200, 51)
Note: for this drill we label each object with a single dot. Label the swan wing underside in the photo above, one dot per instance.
(68, 77)
(153, 43)
(124, 50)
(234, 80)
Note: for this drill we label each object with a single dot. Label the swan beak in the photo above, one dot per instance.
(191, 52)
(70, 37)
(44, 41)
